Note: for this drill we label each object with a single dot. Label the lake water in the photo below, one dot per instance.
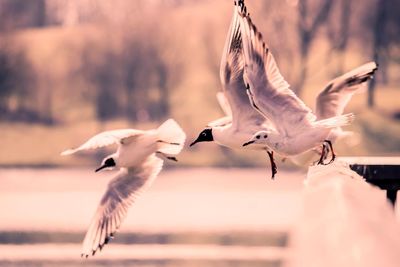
(189, 217)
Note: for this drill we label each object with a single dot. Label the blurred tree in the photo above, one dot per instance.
(308, 26)
(145, 79)
(338, 29)
(379, 31)
(17, 14)
(379, 43)
(7, 79)
(279, 30)
(16, 79)
(130, 78)
(162, 104)
(100, 70)
(212, 51)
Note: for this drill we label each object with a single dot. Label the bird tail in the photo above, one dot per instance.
(337, 121)
(171, 137)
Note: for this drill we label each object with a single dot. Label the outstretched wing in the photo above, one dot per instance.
(122, 191)
(333, 99)
(220, 122)
(231, 75)
(104, 139)
(268, 90)
(224, 104)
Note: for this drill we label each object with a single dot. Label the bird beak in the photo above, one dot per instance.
(195, 141)
(248, 143)
(101, 167)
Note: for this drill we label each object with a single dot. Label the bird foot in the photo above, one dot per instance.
(274, 168)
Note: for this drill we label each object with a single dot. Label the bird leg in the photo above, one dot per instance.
(325, 152)
(273, 165)
(323, 155)
(166, 156)
(333, 152)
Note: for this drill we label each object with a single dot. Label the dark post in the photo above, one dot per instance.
(391, 195)
(383, 172)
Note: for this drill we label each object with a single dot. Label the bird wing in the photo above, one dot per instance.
(122, 191)
(332, 100)
(220, 122)
(231, 75)
(104, 139)
(268, 90)
(224, 104)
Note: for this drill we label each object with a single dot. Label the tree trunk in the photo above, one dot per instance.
(307, 31)
(378, 43)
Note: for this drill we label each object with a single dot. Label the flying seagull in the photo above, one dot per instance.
(296, 128)
(139, 160)
(241, 120)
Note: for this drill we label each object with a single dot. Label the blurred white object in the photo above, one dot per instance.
(344, 222)
(138, 167)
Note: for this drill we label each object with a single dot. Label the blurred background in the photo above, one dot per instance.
(70, 69)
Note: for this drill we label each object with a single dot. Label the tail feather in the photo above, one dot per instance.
(337, 121)
(171, 137)
(68, 152)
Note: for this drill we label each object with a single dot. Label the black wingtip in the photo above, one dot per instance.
(173, 159)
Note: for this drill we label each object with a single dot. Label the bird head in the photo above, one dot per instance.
(108, 162)
(258, 138)
(205, 136)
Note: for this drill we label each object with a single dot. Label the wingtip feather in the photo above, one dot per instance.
(68, 152)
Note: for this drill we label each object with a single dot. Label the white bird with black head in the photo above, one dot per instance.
(138, 160)
(241, 120)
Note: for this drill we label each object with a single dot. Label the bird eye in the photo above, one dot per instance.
(203, 134)
(258, 137)
(265, 136)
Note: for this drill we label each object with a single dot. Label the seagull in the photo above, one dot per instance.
(241, 120)
(139, 159)
(296, 128)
